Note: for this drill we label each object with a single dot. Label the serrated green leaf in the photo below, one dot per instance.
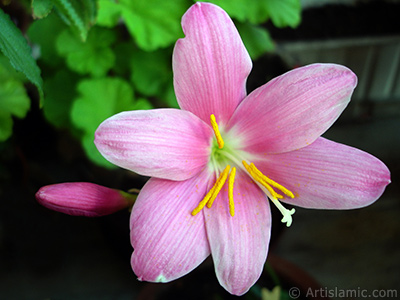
(93, 57)
(80, 15)
(256, 39)
(109, 13)
(253, 11)
(284, 12)
(98, 100)
(60, 92)
(43, 32)
(154, 24)
(7, 71)
(16, 49)
(151, 70)
(13, 101)
(41, 8)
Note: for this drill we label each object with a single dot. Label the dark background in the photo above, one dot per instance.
(48, 255)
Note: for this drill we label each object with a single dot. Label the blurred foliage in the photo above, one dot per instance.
(95, 58)
(99, 99)
(13, 98)
(15, 47)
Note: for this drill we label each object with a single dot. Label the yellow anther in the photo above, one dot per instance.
(214, 125)
(267, 182)
(230, 191)
(218, 185)
(201, 204)
(213, 193)
(271, 182)
(259, 179)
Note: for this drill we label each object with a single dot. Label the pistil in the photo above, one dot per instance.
(265, 183)
(287, 214)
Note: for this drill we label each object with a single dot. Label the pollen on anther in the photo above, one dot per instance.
(218, 136)
(213, 193)
(218, 185)
(230, 191)
(267, 182)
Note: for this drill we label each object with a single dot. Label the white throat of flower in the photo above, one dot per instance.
(266, 184)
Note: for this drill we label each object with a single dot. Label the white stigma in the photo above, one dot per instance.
(287, 214)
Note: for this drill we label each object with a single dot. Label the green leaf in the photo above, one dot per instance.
(41, 8)
(154, 23)
(16, 49)
(13, 100)
(253, 11)
(274, 294)
(7, 71)
(142, 104)
(256, 39)
(98, 100)
(123, 62)
(6, 124)
(80, 15)
(169, 96)
(93, 57)
(151, 70)
(60, 92)
(284, 12)
(109, 13)
(40, 31)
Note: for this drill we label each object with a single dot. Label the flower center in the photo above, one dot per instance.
(223, 156)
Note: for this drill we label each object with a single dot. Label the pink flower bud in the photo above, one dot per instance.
(83, 199)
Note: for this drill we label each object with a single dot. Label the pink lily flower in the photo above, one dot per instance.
(232, 152)
(83, 199)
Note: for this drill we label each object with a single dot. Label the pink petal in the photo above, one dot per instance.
(210, 64)
(294, 109)
(168, 241)
(83, 199)
(239, 244)
(165, 143)
(328, 175)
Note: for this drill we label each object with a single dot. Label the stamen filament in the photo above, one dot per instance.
(213, 193)
(230, 191)
(214, 125)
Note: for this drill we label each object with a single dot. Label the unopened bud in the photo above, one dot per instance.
(84, 199)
